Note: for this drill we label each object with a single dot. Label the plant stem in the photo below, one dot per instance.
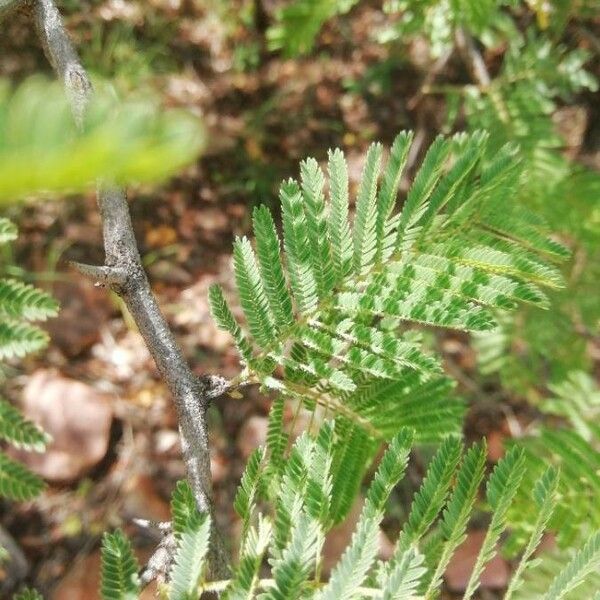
(124, 273)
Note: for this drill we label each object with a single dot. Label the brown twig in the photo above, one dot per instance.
(17, 567)
(472, 57)
(124, 273)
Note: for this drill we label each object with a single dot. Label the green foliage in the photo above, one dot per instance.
(16, 482)
(19, 339)
(431, 497)
(328, 317)
(244, 584)
(519, 106)
(489, 20)
(291, 515)
(28, 594)
(19, 300)
(42, 150)
(119, 568)
(183, 508)
(18, 431)
(244, 502)
(456, 515)
(20, 304)
(298, 23)
(573, 448)
(360, 555)
(545, 498)
(501, 489)
(538, 581)
(189, 559)
(404, 578)
(584, 562)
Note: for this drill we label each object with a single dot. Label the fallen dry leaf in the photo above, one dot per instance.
(82, 581)
(339, 538)
(161, 236)
(494, 576)
(82, 309)
(252, 434)
(142, 500)
(78, 418)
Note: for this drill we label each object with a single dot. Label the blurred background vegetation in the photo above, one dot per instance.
(252, 86)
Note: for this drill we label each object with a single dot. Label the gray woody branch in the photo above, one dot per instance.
(124, 273)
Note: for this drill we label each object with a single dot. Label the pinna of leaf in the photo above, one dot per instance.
(290, 536)
(328, 307)
(42, 149)
(21, 306)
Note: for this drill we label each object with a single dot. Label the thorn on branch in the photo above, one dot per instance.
(102, 276)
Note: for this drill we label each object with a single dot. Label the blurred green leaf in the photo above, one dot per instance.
(41, 149)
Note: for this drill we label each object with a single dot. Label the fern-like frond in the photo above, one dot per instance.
(19, 304)
(584, 562)
(501, 489)
(352, 454)
(16, 482)
(430, 498)
(8, 230)
(302, 520)
(579, 463)
(365, 220)
(292, 488)
(243, 585)
(119, 568)
(313, 182)
(253, 296)
(189, 560)
(354, 565)
(18, 339)
(23, 301)
(271, 269)
(386, 199)
(545, 498)
(276, 438)
(571, 447)
(319, 484)
(246, 494)
(405, 576)
(453, 258)
(458, 511)
(225, 320)
(339, 229)
(184, 510)
(292, 568)
(20, 432)
(298, 252)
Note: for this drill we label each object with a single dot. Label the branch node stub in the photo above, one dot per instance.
(213, 386)
(101, 275)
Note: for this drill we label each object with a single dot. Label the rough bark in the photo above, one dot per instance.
(123, 272)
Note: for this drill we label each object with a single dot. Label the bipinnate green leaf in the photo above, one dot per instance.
(119, 571)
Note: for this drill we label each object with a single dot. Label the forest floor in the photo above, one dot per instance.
(115, 454)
